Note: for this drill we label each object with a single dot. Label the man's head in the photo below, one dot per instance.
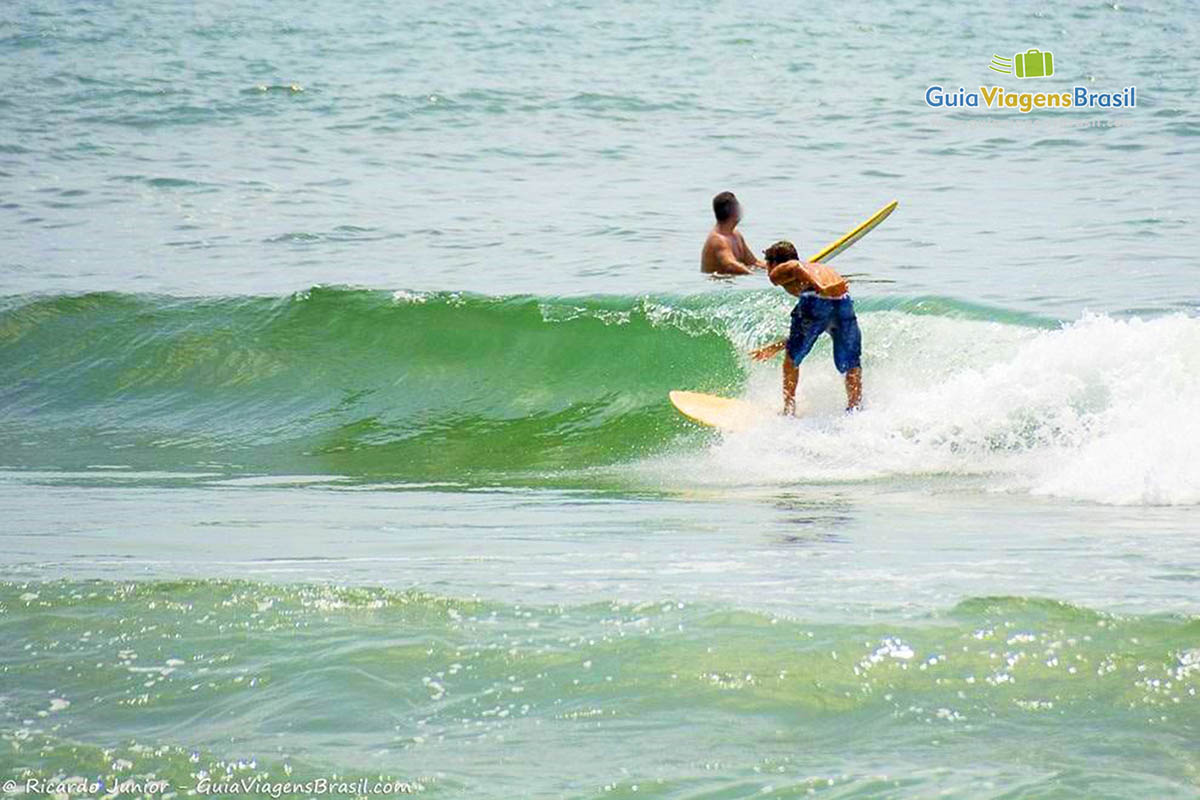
(726, 208)
(780, 252)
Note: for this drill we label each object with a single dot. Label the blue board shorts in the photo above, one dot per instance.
(812, 316)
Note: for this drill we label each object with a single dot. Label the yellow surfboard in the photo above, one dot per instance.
(853, 236)
(833, 248)
(726, 413)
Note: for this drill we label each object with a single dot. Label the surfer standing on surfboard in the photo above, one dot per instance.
(823, 304)
(725, 250)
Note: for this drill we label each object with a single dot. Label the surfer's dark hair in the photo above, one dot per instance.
(723, 206)
(780, 252)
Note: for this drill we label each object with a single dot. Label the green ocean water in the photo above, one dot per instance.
(466, 696)
(334, 440)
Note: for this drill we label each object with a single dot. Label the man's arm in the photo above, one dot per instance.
(764, 353)
(779, 274)
(754, 261)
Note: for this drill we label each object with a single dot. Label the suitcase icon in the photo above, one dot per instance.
(1033, 63)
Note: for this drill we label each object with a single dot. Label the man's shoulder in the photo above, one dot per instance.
(714, 241)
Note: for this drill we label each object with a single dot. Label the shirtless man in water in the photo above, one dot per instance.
(725, 250)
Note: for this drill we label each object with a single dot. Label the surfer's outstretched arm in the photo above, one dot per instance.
(763, 353)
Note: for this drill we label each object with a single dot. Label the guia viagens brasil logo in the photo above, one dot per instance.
(1033, 63)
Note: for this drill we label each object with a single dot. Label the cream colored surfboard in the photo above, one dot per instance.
(726, 413)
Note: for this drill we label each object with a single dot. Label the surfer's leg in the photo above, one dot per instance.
(847, 351)
(853, 388)
(791, 375)
(805, 329)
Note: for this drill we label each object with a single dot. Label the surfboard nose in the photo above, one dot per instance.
(724, 413)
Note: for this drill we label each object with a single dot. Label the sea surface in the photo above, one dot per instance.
(335, 341)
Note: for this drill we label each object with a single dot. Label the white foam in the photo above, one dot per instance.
(1101, 410)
